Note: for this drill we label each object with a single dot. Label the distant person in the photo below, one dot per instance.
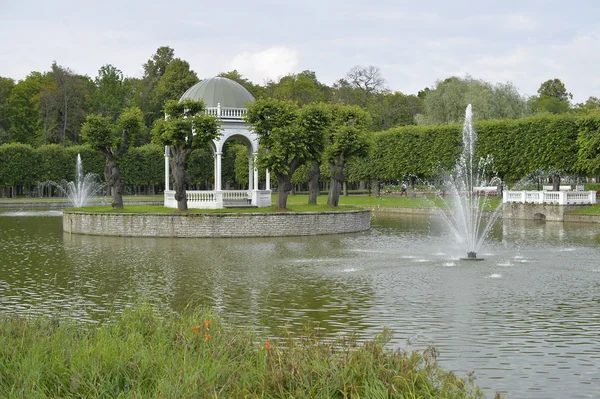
(403, 190)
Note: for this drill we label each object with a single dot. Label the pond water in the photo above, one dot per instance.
(526, 318)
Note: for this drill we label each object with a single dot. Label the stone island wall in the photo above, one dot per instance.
(216, 224)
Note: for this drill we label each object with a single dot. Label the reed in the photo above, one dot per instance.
(149, 353)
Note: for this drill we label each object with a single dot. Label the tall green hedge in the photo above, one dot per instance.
(519, 147)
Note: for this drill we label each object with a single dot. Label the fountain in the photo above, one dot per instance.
(82, 189)
(464, 210)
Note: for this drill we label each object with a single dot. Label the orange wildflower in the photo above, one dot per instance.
(268, 345)
(196, 329)
(207, 337)
(207, 323)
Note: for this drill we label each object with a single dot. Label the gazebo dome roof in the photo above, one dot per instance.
(218, 90)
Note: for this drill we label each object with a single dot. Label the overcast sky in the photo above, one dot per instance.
(414, 43)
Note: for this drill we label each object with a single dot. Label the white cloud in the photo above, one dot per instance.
(270, 63)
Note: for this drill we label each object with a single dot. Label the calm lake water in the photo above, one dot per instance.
(526, 319)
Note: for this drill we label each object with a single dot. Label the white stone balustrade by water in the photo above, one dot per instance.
(550, 197)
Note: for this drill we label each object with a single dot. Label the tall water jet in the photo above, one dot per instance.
(465, 208)
(84, 187)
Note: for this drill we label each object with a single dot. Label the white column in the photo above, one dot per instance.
(255, 171)
(268, 182)
(167, 155)
(218, 171)
(250, 172)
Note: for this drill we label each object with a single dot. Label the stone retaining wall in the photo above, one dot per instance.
(216, 224)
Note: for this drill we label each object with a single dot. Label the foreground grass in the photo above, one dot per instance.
(145, 353)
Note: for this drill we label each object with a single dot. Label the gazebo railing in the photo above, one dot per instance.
(227, 112)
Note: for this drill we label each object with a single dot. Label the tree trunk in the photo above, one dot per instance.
(375, 188)
(337, 178)
(312, 177)
(179, 163)
(112, 173)
(283, 186)
(556, 183)
(345, 188)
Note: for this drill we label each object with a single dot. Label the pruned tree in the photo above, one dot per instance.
(346, 138)
(289, 136)
(113, 140)
(186, 127)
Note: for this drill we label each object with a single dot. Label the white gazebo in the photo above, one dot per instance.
(225, 99)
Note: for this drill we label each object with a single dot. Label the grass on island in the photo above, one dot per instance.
(147, 353)
(420, 201)
(299, 203)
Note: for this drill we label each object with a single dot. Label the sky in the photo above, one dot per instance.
(413, 43)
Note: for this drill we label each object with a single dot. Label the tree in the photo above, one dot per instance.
(303, 88)
(394, 109)
(6, 87)
(185, 128)
(359, 85)
(71, 95)
(552, 97)
(178, 77)
(554, 88)
(113, 140)
(447, 101)
(591, 106)
(111, 94)
(288, 137)
(154, 68)
(22, 109)
(346, 139)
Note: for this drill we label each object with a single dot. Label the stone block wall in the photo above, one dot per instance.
(216, 224)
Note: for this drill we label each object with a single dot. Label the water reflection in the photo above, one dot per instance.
(525, 318)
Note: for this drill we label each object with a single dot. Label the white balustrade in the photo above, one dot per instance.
(236, 194)
(214, 199)
(226, 112)
(550, 197)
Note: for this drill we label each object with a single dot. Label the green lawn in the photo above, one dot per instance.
(126, 198)
(588, 210)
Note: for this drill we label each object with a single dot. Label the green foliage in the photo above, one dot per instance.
(146, 353)
(144, 165)
(19, 164)
(93, 160)
(54, 163)
(186, 125)
(447, 101)
(6, 87)
(552, 98)
(178, 77)
(588, 141)
(303, 88)
(201, 167)
(22, 111)
(110, 137)
(111, 94)
(347, 136)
